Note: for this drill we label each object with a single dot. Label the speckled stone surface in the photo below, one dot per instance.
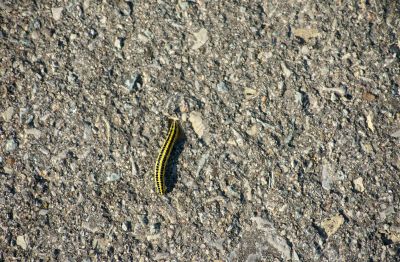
(291, 122)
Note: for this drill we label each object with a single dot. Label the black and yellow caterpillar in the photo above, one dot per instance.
(163, 156)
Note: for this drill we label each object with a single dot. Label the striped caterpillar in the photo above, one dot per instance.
(163, 156)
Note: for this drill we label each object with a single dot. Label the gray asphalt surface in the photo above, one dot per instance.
(290, 116)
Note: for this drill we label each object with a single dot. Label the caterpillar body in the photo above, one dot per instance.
(163, 156)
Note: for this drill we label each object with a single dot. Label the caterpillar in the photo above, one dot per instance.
(163, 156)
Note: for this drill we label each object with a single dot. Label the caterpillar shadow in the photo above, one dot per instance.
(171, 176)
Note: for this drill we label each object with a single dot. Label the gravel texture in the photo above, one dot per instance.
(290, 113)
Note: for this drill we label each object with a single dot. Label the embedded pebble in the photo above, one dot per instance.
(112, 177)
(222, 87)
(162, 256)
(306, 33)
(341, 91)
(198, 125)
(34, 132)
(326, 176)
(11, 145)
(201, 38)
(57, 13)
(332, 224)
(8, 114)
(133, 82)
(286, 72)
(125, 7)
(126, 226)
(274, 239)
(250, 93)
(370, 122)
(21, 242)
(201, 163)
(358, 184)
(238, 138)
(393, 235)
(299, 98)
(43, 212)
(134, 169)
(118, 42)
(253, 130)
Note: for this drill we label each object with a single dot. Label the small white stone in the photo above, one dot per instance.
(11, 145)
(286, 72)
(340, 91)
(238, 138)
(118, 43)
(57, 12)
(35, 35)
(7, 115)
(298, 97)
(201, 38)
(326, 176)
(358, 184)
(370, 123)
(197, 123)
(253, 130)
(72, 37)
(184, 117)
(21, 242)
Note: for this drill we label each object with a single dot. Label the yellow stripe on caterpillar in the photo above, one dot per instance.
(163, 156)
